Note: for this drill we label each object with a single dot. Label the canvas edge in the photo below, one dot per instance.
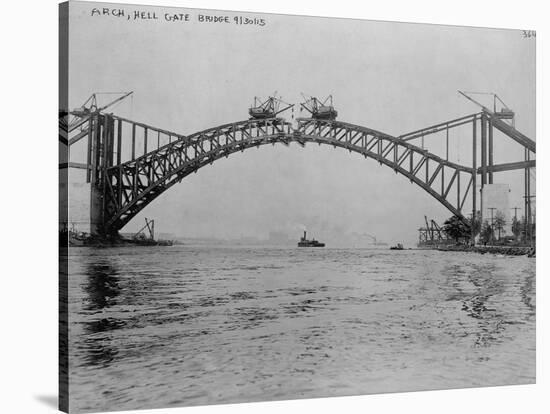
(63, 102)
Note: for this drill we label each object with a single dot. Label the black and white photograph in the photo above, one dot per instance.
(264, 207)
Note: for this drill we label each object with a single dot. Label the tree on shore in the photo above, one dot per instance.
(456, 228)
(499, 222)
(517, 227)
(475, 224)
(486, 235)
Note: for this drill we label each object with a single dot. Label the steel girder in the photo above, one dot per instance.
(132, 185)
(437, 176)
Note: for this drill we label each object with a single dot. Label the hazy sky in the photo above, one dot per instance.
(394, 77)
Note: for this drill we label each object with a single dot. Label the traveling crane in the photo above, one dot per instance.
(432, 232)
(85, 110)
(319, 109)
(150, 226)
(504, 113)
(269, 108)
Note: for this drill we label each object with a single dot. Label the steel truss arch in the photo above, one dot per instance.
(130, 186)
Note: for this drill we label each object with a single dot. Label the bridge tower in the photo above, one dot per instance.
(90, 123)
(99, 157)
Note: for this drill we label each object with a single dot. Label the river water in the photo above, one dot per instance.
(189, 325)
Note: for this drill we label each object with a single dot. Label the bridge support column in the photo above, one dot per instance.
(484, 128)
(490, 150)
(528, 196)
(96, 211)
(98, 156)
(483, 150)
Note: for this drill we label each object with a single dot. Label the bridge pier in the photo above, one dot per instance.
(96, 211)
(485, 125)
(491, 161)
(100, 155)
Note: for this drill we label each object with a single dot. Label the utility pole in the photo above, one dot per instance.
(528, 219)
(492, 224)
(515, 223)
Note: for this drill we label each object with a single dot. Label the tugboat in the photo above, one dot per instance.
(398, 247)
(304, 242)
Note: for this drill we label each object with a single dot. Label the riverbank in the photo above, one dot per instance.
(504, 250)
(73, 239)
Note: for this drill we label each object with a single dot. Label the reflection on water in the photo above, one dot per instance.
(527, 293)
(187, 325)
(101, 285)
(101, 288)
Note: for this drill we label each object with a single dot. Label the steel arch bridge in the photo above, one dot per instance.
(121, 189)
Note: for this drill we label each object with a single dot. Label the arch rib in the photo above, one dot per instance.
(132, 185)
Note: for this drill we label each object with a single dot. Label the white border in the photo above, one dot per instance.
(29, 204)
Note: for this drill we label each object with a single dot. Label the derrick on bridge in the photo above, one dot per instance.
(156, 159)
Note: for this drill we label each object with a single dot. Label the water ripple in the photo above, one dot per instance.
(194, 325)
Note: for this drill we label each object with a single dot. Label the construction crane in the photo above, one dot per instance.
(150, 226)
(432, 233)
(71, 120)
(269, 108)
(497, 119)
(85, 110)
(140, 238)
(429, 230)
(77, 117)
(504, 113)
(319, 109)
(441, 235)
